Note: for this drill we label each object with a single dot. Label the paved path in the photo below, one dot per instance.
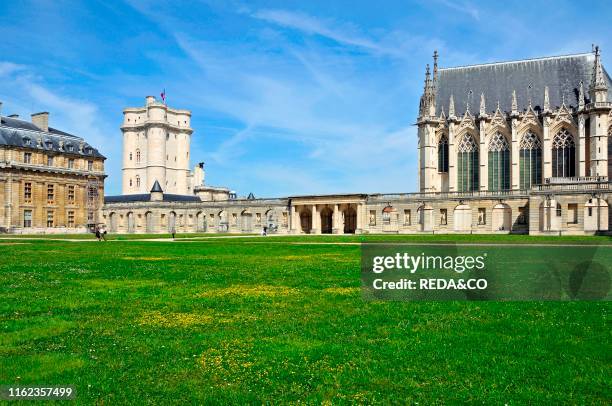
(10, 241)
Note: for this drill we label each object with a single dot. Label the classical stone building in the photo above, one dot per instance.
(512, 147)
(50, 181)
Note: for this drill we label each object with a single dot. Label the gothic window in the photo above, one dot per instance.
(467, 164)
(499, 163)
(443, 154)
(530, 160)
(563, 155)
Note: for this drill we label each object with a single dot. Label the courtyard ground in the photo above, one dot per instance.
(279, 320)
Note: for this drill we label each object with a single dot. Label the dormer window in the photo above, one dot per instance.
(49, 144)
(27, 141)
(70, 148)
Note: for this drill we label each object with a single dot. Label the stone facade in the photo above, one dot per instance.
(50, 181)
(533, 158)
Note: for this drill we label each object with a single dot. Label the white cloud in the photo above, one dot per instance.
(342, 33)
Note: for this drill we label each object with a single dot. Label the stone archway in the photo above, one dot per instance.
(172, 222)
(200, 222)
(131, 227)
(305, 221)
(350, 220)
(501, 218)
(112, 218)
(149, 222)
(462, 218)
(327, 224)
(246, 220)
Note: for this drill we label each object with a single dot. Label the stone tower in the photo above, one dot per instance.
(156, 143)
(598, 112)
(426, 132)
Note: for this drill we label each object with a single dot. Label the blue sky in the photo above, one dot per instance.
(288, 97)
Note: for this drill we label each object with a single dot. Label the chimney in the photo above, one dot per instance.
(150, 100)
(41, 120)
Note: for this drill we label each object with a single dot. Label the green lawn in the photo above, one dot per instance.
(260, 320)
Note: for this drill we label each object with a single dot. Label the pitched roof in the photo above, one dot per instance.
(562, 75)
(23, 134)
(156, 187)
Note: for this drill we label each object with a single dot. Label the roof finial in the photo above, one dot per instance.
(451, 107)
(514, 102)
(546, 99)
(581, 96)
(435, 66)
(467, 102)
(498, 109)
(483, 109)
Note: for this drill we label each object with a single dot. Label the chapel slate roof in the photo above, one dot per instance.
(146, 197)
(17, 133)
(562, 75)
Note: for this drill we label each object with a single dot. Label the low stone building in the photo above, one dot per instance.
(50, 181)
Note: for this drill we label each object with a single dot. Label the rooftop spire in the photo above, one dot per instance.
(598, 81)
(546, 99)
(428, 103)
(581, 96)
(598, 88)
(483, 108)
(514, 102)
(435, 65)
(451, 107)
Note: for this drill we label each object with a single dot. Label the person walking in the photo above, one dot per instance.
(98, 235)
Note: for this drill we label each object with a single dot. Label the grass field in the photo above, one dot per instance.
(264, 320)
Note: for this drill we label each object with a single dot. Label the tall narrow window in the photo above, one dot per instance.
(71, 193)
(27, 218)
(443, 154)
(71, 219)
(563, 155)
(90, 165)
(499, 163)
(70, 163)
(467, 164)
(27, 157)
(137, 181)
(27, 192)
(49, 160)
(50, 218)
(138, 155)
(530, 161)
(50, 193)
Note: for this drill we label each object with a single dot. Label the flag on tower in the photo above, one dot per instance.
(163, 96)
